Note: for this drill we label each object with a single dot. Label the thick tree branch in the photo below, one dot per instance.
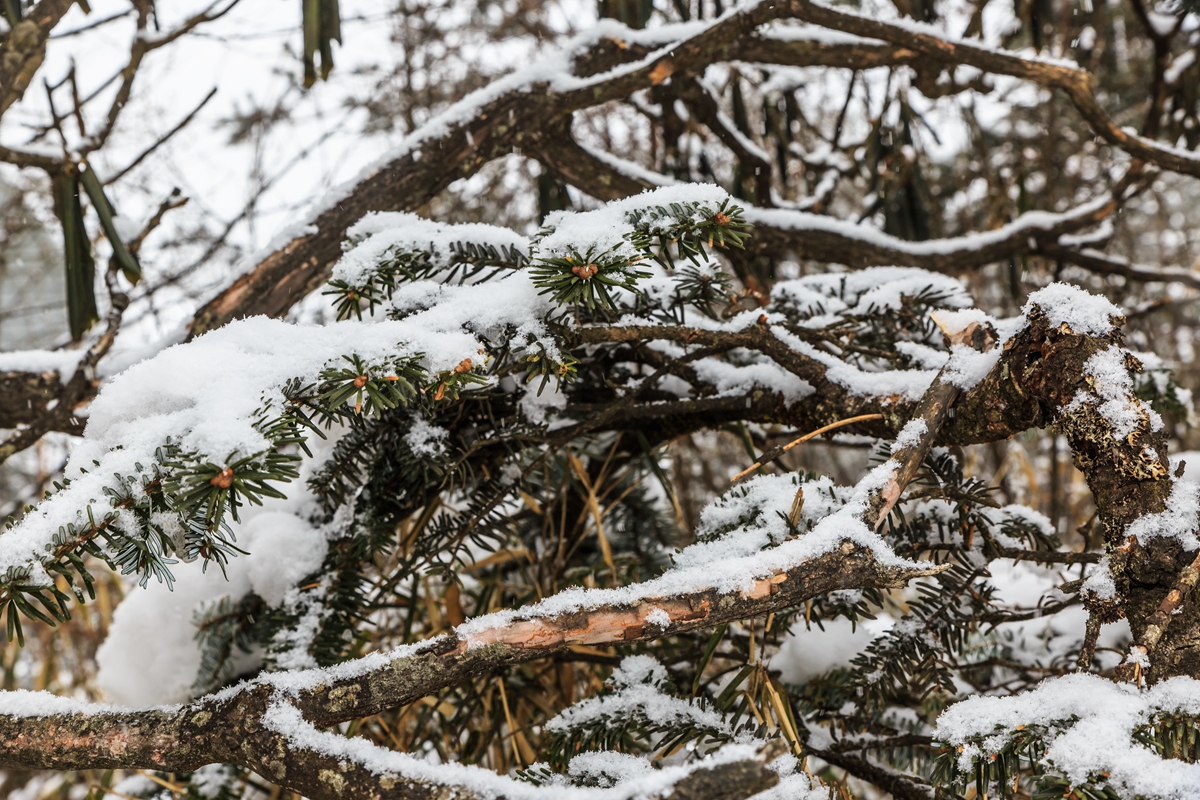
(228, 727)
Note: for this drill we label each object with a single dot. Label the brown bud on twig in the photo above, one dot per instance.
(463, 366)
(223, 479)
(585, 271)
(360, 381)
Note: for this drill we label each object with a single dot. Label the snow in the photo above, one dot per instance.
(204, 395)
(638, 689)
(133, 672)
(210, 780)
(426, 439)
(287, 721)
(1099, 740)
(61, 361)
(1138, 657)
(659, 618)
(1085, 313)
(952, 322)
(1107, 373)
(1178, 66)
(286, 550)
(1028, 223)
(803, 32)
(825, 299)
(910, 435)
(866, 291)
(605, 229)
(967, 366)
(282, 549)
(1179, 520)
(380, 234)
(805, 653)
(22, 703)
(604, 768)
(735, 379)
(1099, 581)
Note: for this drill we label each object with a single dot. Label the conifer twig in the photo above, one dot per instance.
(776, 452)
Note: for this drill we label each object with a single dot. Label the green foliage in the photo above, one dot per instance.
(104, 210)
(77, 254)
(467, 261)
(224, 627)
(77, 246)
(661, 233)
(202, 491)
(321, 23)
(373, 388)
(433, 471)
(1174, 735)
(585, 278)
(688, 229)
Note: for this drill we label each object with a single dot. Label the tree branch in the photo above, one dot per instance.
(24, 47)
(229, 727)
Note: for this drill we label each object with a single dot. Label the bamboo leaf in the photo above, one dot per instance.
(104, 209)
(77, 254)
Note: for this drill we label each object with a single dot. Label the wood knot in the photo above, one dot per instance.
(585, 271)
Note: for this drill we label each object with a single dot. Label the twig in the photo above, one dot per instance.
(92, 25)
(1088, 651)
(776, 452)
(162, 139)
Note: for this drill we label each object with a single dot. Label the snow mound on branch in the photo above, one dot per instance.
(1086, 313)
(150, 655)
(380, 233)
(282, 549)
(205, 394)
(1114, 394)
(1100, 740)
(605, 228)
(286, 550)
